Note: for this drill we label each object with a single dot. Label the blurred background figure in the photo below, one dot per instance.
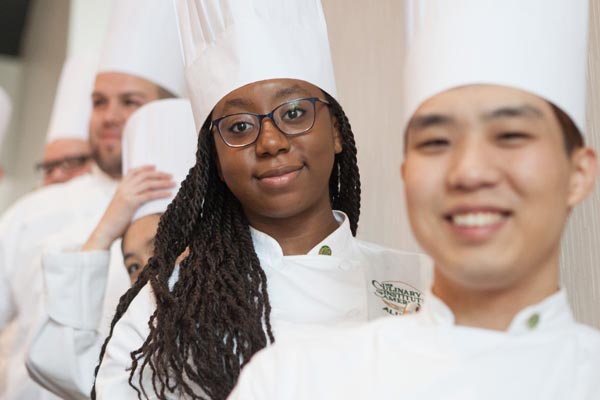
(67, 153)
(159, 143)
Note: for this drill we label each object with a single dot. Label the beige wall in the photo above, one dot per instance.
(366, 38)
(581, 245)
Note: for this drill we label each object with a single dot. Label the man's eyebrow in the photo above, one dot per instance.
(128, 255)
(524, 111)
(421, 122)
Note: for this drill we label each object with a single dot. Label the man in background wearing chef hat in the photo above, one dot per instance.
(67, 152)
(132, 214)
(5, 113)
(140, 62)
(494, 163)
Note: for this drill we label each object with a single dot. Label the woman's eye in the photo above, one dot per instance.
(241, 127)
(293, 113)
(132, 268)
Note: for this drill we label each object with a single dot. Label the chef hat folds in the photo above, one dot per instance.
(73, 100)
(5, 113)
(161, 133)
(230, 43)
(539, 46)
(142, 40)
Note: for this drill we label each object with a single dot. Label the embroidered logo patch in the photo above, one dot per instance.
(397, 297)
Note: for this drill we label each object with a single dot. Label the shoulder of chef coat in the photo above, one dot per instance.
(48, 205)
(304, 368)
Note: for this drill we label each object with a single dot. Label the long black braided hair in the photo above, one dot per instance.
(217, 314)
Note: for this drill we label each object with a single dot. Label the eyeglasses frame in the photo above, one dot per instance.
(313, 100)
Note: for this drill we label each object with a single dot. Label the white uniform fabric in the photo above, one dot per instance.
(539, 46)
(24, 231)
(425, 356)
(228, 44)
(72, 107)
(79, 311)
(161, 133)
(305, 292)
(142, 41)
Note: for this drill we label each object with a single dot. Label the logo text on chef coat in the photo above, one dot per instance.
(398, 297)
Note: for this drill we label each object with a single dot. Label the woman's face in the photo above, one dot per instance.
(278, 176)
(138, 244)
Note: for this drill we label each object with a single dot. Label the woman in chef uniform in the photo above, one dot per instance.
(268, 213)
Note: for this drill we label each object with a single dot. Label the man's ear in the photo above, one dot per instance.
(337, 134)
(584, 162)
(403, 171)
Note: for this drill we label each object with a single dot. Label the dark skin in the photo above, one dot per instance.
(282, 182)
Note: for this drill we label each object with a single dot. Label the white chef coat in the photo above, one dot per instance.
(304, 291)
(544, 354)
(24, 229)
(82, 292)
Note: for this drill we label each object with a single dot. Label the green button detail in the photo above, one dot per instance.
(325, 251)
(533, 321)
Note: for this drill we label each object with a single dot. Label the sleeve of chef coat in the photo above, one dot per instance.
(65, 348)
(129, 334)
(9, 235)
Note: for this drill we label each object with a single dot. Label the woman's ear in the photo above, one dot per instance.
(337, 135)
(584, 164)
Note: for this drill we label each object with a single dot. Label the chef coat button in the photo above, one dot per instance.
(325, 251)
(533, 321)
(411, 308)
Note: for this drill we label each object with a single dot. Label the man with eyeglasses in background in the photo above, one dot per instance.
(67, 152)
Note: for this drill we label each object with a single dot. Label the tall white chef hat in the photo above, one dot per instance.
(73, 100)
(5, 113)
(535, 45)
(230, 43)
(161, 133)
(142, 40)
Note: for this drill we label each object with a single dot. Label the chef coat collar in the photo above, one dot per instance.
(551, 313)
(336, 244)
(103, 178)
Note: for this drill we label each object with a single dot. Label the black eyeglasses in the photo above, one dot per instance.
(292, 118)
(66, 164)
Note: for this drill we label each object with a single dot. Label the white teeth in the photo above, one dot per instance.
(476, 219)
